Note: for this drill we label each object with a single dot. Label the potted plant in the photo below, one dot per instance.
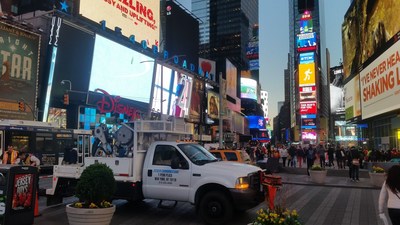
(317, 174)
(94, 189)
(377, 176)
(276, 216)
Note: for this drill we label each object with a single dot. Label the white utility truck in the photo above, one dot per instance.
(149, 162)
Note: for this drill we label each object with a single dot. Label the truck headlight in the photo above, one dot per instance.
(242, 183)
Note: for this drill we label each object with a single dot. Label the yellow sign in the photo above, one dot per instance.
(306, 74)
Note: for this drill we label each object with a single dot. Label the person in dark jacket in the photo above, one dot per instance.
(354, 162)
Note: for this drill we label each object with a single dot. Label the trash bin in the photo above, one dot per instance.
(18, 186)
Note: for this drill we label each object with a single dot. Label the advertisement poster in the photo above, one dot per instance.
(208, 68)
(248, 88)
(352, 99)
(22, 191)
(308, 108)
(307, 74)
(19, 74)
(197, 99)
(306, 42)
(380, 84)
(213, 105)
(231, 79)
(140, 18)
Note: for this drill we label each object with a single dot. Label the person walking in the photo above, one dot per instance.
(310, 155)
(331, 152)
(300, 152)
(292, 154)
(10, 156)
(340, 157)
(390, 196)
(354, 163)
(283, 153)
(321, 154)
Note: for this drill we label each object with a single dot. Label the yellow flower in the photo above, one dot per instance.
(92, 205)
(78, 205)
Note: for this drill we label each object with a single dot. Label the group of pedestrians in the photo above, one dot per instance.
(22, 157)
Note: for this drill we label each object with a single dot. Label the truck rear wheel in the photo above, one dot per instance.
(215, 208)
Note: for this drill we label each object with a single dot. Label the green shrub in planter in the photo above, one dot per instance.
(317, 168)
(95, 187)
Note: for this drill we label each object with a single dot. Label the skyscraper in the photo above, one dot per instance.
(298, 8)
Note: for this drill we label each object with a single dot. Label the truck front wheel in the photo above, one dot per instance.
(215, 208)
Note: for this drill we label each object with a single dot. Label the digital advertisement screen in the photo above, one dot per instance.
(307, 93)
(306, 42)
(256, 122)
(248, 88)
(121, 71)
(380, 84)
(307, 58)
(175, 101)
(231, 79)
(366, 29)
(308, 123)
(254, 64)
(352, 99)
(309, 135)
(307, 74)
(308, 108)
(140, 18)
(213, 105)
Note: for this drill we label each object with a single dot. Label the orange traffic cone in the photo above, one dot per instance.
(36, 210)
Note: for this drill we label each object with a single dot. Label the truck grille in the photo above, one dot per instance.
(255, 180)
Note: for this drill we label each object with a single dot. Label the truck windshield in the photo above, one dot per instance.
(197, 154)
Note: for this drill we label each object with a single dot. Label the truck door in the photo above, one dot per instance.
(160, 181)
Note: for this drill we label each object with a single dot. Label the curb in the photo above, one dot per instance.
(329, 185)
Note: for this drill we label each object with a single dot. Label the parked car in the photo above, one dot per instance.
(231, 155)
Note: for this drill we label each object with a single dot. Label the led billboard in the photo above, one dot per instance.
(308, 123)
(367, 27)
(308, 93)
(308, 108)
(19, 74)
(307, 58)
(309, 135)
(306, 42)
(140, 18)
(352, 99)
(196, 100)
(121, 71)
(380, 83)
(248, 88)
(307, 74)
(256, 122)
(231, 79)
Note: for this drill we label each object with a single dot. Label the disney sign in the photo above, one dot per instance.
(112, 104)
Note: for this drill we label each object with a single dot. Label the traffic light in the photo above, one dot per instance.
(66, 99)
(21, 106)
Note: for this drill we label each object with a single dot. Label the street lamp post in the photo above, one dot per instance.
(69, 82)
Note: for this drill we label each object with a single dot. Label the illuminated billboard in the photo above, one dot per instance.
(213, 105)
(352, 99)
(231, 79)
(140, 18)
(380, 84)
(308, 108)
(306, 42)
(306, 23)
(256, 122)
(19, 76)
(196, 100)
(308, 123)
(309, 135)
(248, 88)
(119, 70)
(207, 68)
(307, 58)
(308, 93)
(307, 74)
(254, 64)
(366, 28)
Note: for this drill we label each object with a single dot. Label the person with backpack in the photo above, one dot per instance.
(310, 155)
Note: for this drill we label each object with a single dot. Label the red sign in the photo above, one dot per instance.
(308, 108)
(22, 191)
(111, 104)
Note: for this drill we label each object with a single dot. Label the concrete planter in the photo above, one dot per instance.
(84, 216)
(377, 179)
(318, 176)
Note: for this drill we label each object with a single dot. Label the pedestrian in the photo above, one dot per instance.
(340, 157)
(321, 154)
(10, 156)
(390, 196)
(310, 155)
(331, 151)
(292, 154)
(300, 152)
(354, 163)
(283, 153)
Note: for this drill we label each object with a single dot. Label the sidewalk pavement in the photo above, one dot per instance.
(334, 178)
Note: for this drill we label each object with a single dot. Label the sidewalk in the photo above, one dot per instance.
(334, 178)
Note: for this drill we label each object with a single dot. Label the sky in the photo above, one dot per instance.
(274, 43)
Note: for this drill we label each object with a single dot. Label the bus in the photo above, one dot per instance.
(47, 141)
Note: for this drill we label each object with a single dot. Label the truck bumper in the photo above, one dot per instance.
(246, 199)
